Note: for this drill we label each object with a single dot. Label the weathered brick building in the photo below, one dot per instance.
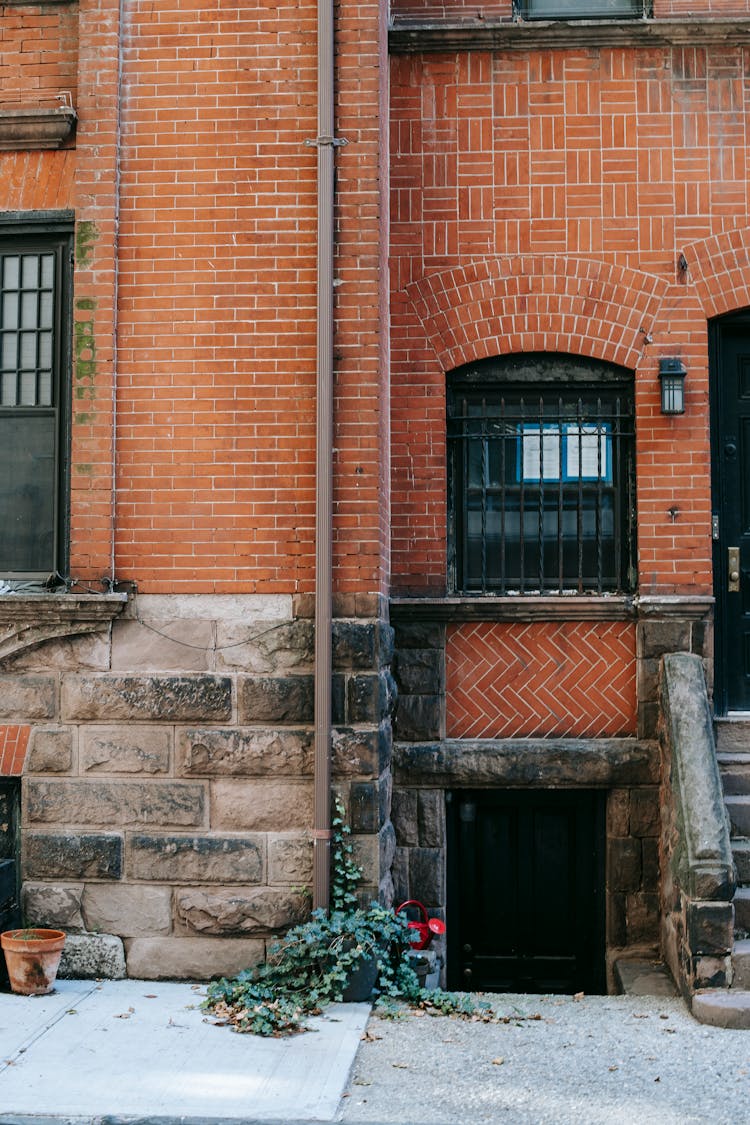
(540, 220)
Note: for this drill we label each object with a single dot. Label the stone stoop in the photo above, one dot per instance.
(730, 1007)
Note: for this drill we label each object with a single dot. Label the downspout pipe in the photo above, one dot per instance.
(326, 145)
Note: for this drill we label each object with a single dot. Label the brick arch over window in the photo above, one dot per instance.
(719, 268)
(537, 303)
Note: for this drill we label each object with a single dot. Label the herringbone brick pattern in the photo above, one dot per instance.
(542, 679)
(14, 741)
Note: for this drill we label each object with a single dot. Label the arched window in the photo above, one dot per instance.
(541, 476)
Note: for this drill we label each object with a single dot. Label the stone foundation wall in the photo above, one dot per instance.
(167, 788)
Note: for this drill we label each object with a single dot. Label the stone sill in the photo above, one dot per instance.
(27, 620)
(617, 607)
(35, 128)
(409, 35)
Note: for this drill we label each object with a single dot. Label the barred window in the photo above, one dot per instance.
(34, 271)
(582, 9)
(541, 477)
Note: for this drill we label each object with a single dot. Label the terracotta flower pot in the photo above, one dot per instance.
(32, 957)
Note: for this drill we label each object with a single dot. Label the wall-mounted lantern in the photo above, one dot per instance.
(672, 372)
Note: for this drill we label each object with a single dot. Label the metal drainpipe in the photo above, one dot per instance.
(324, 462)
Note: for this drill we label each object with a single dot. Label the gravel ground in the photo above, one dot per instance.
(598, 1059)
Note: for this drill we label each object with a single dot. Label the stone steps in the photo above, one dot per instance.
(738, 807)
(742, 908)
(731, 735)
(741, 964)
(741, 853)
(722, 1007)
(734, 767)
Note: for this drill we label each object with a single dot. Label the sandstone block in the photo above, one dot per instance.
(369, 698)
(427, 875)
(624, 865)
(618, 812)
(420, 634)
(364, 806)
(92, 957)
(419, 671)
(365, 645)
(231, 912)
(178, 645)
(645, 814)
(710, 927)
(51, 750)
(357, 752)
(171, 958)
(642, 918)
(28, 697)
(128, 911)
(89, 652)
(52, 905)
(418, 717)
(98, 802)
(209, 859)
(72, 855)
(404, 814)
(265, 646)
(276, 699)
(431, 818)
(245, 752)
(130, 749)
(166, 698)
(290, 860)
(261, 806)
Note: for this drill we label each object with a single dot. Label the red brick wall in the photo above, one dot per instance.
(38, 53)
(540, 202)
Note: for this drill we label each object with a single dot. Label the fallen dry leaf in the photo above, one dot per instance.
(498, 1062)
(124, 1015)
(401, 1066)
(578, 996)
(613, 1068)
(370, 1037)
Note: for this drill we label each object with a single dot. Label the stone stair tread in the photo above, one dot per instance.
(639, 977)
(740, 757)
(722, 1007)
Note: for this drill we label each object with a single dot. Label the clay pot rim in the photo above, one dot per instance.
(42, 939)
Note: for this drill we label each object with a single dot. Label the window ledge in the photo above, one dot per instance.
(409, 35)
(35, 128)
(585, 607)
(27, 620)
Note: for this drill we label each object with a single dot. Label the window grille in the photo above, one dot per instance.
(582, 9)
(542, 489)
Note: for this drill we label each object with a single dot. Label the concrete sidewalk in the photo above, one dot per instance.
(145, 1050)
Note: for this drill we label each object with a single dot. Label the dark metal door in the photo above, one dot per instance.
(526, 891)
(10, 915)
(730, 410)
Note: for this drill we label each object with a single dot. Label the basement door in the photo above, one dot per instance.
(10, 915)
(526, 891)
(730, 445)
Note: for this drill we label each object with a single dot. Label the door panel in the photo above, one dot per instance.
(730, 424)
(526, 891)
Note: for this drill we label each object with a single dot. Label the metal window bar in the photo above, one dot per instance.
(582, 9)
(542, 496)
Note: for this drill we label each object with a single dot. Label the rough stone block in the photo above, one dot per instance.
(51, 905)
(387, 844)
(356, 645)
(648, 720)
(72, 855)
(50, 750)
(645, 813)
(170, 958)
(261, 806)
(618, 812)
(431, 818)
(127, 910)
(643, 918)
(165, 698)
(364, 806)
(624, 865)
(418, 717)
(88, 652)
(710, 927)
(130, 749)
(338, 698)
(419, 671)
(290, 860)
(357, 752)
(98, 802)
(617, 921)
(404, 814)
(276, 699)
(209, 859)
(657, 637)
(650, 857)
(400, 875)
(427, 875)
(92, 957)
(245, 752)
(712, 972)
(179, 645)
(28, 697)
(265, 646)
(231, 912)
(370, 698)
(419, 634)
(647, 677)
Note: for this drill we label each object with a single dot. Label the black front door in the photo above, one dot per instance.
(526, 891)
(730, 412)
(10, 915)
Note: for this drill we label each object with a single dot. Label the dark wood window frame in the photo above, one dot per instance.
(40, 403)
(541, 477)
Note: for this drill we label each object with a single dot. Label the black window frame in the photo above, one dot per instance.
(524, 497)
(550, 10)
(47, 233)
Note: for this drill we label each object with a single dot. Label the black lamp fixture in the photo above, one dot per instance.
(672, 372)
